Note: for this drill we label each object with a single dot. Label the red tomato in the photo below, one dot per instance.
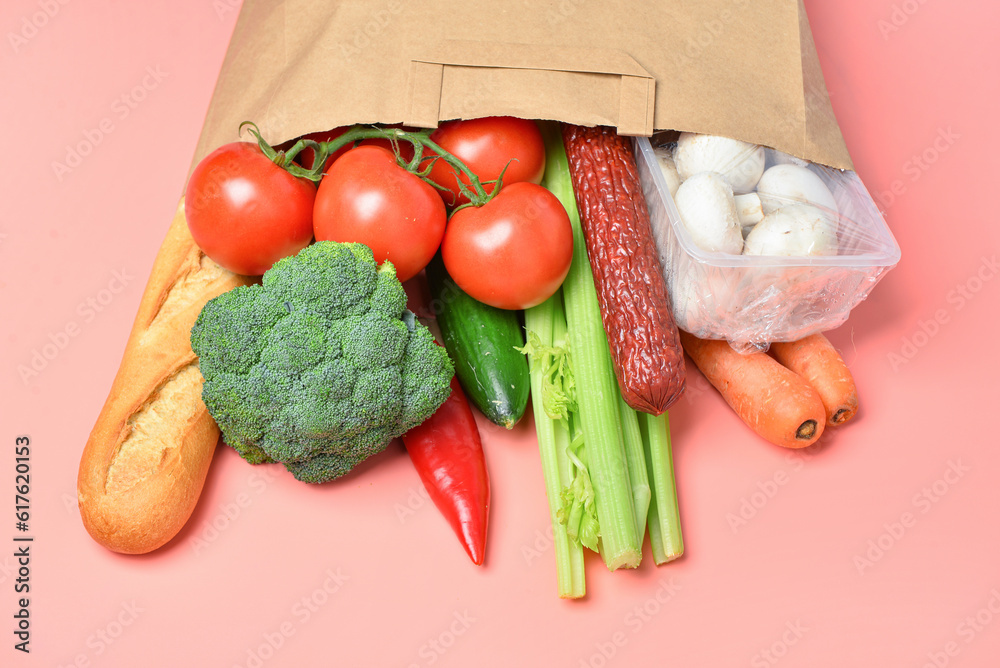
(513, 252)
(245, 212)
(366, 197)
(486, 146)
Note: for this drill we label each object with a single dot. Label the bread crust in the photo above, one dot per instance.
(144, 465)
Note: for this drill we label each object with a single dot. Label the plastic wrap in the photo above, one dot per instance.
(752, 300)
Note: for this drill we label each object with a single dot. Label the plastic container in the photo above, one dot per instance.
(752, 300)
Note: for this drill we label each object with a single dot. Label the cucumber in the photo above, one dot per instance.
(482, 341)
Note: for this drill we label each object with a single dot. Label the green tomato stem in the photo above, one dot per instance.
(419, 139)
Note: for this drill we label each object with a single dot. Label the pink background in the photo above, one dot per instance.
(261, 547)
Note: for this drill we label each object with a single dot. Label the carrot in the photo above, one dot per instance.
(775, 402)
(815, 359)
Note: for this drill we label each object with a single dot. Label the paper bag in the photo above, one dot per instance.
(741, 68)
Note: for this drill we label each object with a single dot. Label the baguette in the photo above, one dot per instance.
(145, 462)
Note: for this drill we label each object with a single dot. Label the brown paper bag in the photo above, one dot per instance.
(740, 68)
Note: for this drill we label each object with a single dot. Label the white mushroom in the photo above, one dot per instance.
(708, 212)
(739, 163)
(790, 184)
(668, 169)
(749, 211)
(684, 304)
(793, 230)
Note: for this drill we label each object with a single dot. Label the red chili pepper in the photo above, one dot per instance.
(448, 454)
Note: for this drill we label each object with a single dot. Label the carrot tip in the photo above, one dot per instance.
(806, 430)
(841, 416)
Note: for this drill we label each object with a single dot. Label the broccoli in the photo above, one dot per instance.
(320, 365)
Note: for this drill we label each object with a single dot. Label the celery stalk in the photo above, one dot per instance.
(548, 322)
(664, 517)
(597, 387)
(635, 458)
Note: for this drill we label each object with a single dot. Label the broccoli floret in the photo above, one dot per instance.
(319, 366)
